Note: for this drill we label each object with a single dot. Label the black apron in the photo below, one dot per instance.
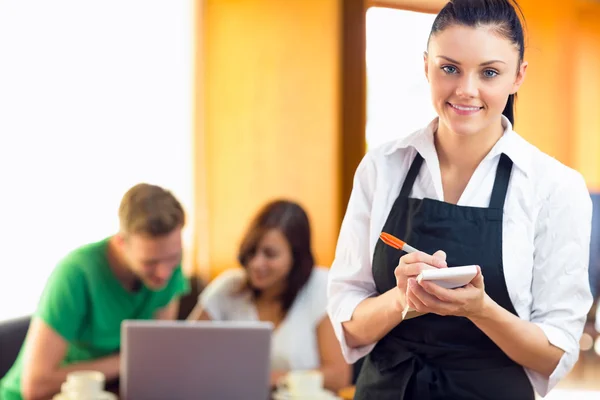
(432, 357)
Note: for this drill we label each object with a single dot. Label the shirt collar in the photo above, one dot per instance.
(510, 144)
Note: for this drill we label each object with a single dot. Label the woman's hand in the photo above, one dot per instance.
(376, 316)
(468, 301)
(410, 267)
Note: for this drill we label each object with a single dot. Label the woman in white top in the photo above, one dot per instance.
(464, 190)
(279, 283)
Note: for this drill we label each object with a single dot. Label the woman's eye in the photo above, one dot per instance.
(449, 69)
(489, 73)
(270, 253)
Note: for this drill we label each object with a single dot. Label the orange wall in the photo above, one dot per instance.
(586, 148)
(543, 117)
(270, 120)
(559, 102)
(427, 6)
(270, 74)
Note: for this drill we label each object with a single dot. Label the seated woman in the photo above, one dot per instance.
(279, 283)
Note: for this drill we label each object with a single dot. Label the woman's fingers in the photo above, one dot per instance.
(441, 254)
(420, 257)
(411, 269)
(412, 264)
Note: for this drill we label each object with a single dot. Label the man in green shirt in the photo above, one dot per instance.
(135, 274)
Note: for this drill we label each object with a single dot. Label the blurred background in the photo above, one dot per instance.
(230, 103)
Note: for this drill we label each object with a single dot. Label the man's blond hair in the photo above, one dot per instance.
(150, 210)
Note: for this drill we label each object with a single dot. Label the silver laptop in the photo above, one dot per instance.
(181, 360)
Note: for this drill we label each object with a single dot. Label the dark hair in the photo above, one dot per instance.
(291, 220)
(500, 14)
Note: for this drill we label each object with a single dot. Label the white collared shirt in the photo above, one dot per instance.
(546, 235)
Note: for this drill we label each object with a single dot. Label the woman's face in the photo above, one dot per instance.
(272, 261)
(471, 71)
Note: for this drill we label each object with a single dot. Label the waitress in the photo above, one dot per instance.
(464, 190)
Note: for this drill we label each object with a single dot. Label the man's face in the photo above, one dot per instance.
(153, 259)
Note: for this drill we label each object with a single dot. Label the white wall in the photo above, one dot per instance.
(95, 96)
(398, 99)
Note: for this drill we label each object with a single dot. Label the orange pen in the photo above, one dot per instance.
(396, 243)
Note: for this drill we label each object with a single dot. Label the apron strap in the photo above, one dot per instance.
(411, 176)
(501, 183)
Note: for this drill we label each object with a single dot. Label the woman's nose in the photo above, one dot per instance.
(256, 260)
(467, 87)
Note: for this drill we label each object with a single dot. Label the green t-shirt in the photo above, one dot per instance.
(85, 303)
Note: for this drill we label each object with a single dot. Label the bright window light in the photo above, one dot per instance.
(398, 97)
(94, 98)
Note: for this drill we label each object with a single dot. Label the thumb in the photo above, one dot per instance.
(478, 280)
(441, 254)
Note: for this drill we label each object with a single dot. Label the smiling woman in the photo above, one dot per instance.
(465, 190)
(488, 71)
(279, 283)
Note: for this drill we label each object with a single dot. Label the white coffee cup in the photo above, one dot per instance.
(83, 385)
(304, 382)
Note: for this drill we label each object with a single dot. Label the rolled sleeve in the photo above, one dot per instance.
(561, 292)
(344, 313)
(558, 338)
(350, 278)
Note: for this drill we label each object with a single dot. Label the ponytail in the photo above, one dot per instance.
(509, 110)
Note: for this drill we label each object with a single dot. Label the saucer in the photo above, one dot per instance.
(101, 396)
(323, 394)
